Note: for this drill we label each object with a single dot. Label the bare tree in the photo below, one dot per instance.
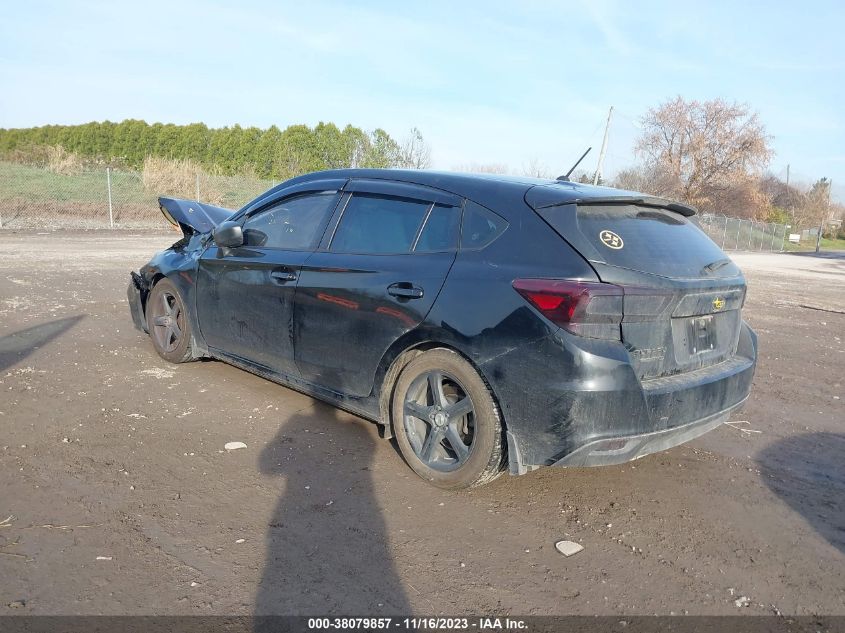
(741, 199)
(483, 168)
(817, 208)
(781, 195)
(536, 169)
(416, 153)
(652, 180)
(706, 147)
(803, 206)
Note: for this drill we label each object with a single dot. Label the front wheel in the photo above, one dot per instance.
(168, 323)
(446, 422)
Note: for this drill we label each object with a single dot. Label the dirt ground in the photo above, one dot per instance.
(121, 499)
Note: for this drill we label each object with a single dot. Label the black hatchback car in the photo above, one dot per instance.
(485, 322)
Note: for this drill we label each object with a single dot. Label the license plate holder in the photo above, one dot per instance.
(701, 334)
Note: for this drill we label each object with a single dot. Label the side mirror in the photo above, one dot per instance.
(228, 235)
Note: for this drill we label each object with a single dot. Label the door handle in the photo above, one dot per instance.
(405, 290)
(281, 275)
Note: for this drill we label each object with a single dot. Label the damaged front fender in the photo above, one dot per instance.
(137, 293)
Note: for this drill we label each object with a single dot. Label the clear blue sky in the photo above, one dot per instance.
(485, 82)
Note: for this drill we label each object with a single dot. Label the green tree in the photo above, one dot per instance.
(383, 151)
(270, 153)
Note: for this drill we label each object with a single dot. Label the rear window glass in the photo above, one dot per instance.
(651, 240)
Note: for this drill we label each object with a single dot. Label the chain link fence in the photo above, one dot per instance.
(34, 197)
(37, 198)
(738, 234)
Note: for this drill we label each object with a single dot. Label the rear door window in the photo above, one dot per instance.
(440, 232)
(376, 224)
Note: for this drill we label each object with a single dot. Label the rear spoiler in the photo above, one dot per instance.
(190, 214)
(541, 196)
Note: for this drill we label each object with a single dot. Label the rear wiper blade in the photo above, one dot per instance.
(714, 266)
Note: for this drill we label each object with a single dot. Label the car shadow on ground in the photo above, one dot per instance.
(327, 543)
(18, 345)
(822, 254)
(808, 472)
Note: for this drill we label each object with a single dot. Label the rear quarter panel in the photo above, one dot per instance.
(479, 313)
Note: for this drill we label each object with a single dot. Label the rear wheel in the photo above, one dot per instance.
(446, 422)
(167, 321)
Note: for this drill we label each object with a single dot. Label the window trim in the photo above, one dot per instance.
(402, 189)
(270, 197)
(456, 243)
(328, 235)
(421, 228)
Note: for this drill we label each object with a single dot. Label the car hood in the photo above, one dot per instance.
(197, 216)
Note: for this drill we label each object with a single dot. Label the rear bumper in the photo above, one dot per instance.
(572, 401)
(610, 451)
(136, 294)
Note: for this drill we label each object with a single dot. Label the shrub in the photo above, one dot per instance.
(776, 215)
(60, 161)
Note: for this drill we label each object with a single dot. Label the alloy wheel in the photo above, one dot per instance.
(439, 419)
(168, 321)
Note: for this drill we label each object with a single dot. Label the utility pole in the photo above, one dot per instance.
(597, 175)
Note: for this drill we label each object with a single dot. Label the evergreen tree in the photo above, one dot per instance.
(271, 153)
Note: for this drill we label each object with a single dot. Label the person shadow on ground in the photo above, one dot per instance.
(16, 346)
(808, 472)
(327, 543)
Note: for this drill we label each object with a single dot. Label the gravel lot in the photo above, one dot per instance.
(122, 500)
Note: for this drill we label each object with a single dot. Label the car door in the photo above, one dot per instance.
(245, 294)
(380, 267)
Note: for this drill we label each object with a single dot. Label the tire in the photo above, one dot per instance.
(168, 323)
(451, 436)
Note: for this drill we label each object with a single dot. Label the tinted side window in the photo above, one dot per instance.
(481, 226)
(379, 224)
(295, 223)
(440, 232)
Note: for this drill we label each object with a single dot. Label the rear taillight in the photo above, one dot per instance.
(582, 307)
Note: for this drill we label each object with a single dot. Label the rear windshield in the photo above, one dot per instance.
(651, 240)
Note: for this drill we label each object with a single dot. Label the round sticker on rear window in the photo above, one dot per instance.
(611, 239)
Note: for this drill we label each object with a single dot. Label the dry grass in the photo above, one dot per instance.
(170, 177)
(179, 178)
(60, 161)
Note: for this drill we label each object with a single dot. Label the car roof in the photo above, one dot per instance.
(544, 191)
(460, 183)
